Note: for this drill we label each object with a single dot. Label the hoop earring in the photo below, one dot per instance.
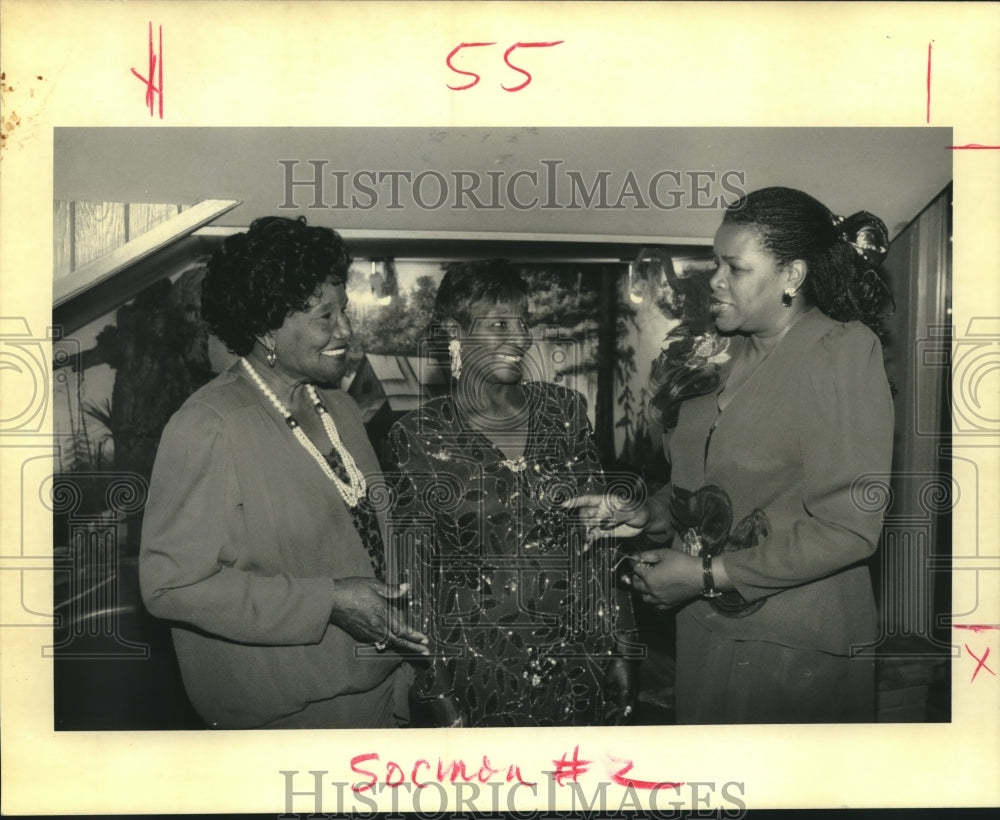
(786, 298)
(455, 357)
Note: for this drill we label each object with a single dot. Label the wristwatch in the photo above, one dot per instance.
(708, 581)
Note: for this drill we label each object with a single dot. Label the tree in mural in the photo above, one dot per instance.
(570, 298)
(640, 451)
(422, 300)
(158, 348)
(397, 328)
(567, 298)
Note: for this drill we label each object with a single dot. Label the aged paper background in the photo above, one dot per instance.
(328, 64)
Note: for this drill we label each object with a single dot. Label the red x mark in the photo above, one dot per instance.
(981, 662)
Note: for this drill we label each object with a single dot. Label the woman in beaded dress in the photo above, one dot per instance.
(259, 540)
(524, 623)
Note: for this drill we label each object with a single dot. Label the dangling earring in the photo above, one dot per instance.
(455, 355)
(786, 298)
(271, 357)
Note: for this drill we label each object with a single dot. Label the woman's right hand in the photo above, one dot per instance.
(611, 515)
(368, 610)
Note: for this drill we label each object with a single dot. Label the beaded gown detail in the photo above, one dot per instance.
(522, 619)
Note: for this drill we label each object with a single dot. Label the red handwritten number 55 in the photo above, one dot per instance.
(506, 59)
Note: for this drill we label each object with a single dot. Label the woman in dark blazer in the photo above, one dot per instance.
(769, 508)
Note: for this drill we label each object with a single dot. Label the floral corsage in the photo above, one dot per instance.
(704, 519)
(689, 365)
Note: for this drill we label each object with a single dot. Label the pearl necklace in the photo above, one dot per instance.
(357, 486)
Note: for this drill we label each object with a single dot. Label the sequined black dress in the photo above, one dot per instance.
(522, 620)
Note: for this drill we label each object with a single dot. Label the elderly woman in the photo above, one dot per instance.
(259, 540)
(522, 619)
(770, 529)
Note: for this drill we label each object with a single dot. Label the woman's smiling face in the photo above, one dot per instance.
(311, 344)
(495, 344)
(748, 284)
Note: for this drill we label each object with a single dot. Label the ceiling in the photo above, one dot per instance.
(660, 184)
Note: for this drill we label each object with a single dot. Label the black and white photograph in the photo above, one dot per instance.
(328, 467)
(418, 435)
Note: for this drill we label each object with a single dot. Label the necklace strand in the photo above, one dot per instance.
(356, 487)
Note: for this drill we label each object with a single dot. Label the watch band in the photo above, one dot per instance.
(708, 580)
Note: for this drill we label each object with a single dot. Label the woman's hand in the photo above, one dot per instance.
(613, 515)
(619, 687)
(368, 610)
(667, 577)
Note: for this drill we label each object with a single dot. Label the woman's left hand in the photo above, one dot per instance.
(667, 577)
(619, 686)
(366, 609)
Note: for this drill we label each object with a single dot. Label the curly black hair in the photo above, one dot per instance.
(257, 278)
(842, 255)
(466, 285)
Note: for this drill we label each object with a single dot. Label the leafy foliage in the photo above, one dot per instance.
(396, 328)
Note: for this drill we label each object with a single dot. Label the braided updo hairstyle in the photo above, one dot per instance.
(842, 255)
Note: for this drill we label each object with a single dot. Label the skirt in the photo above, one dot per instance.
(724, 681)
